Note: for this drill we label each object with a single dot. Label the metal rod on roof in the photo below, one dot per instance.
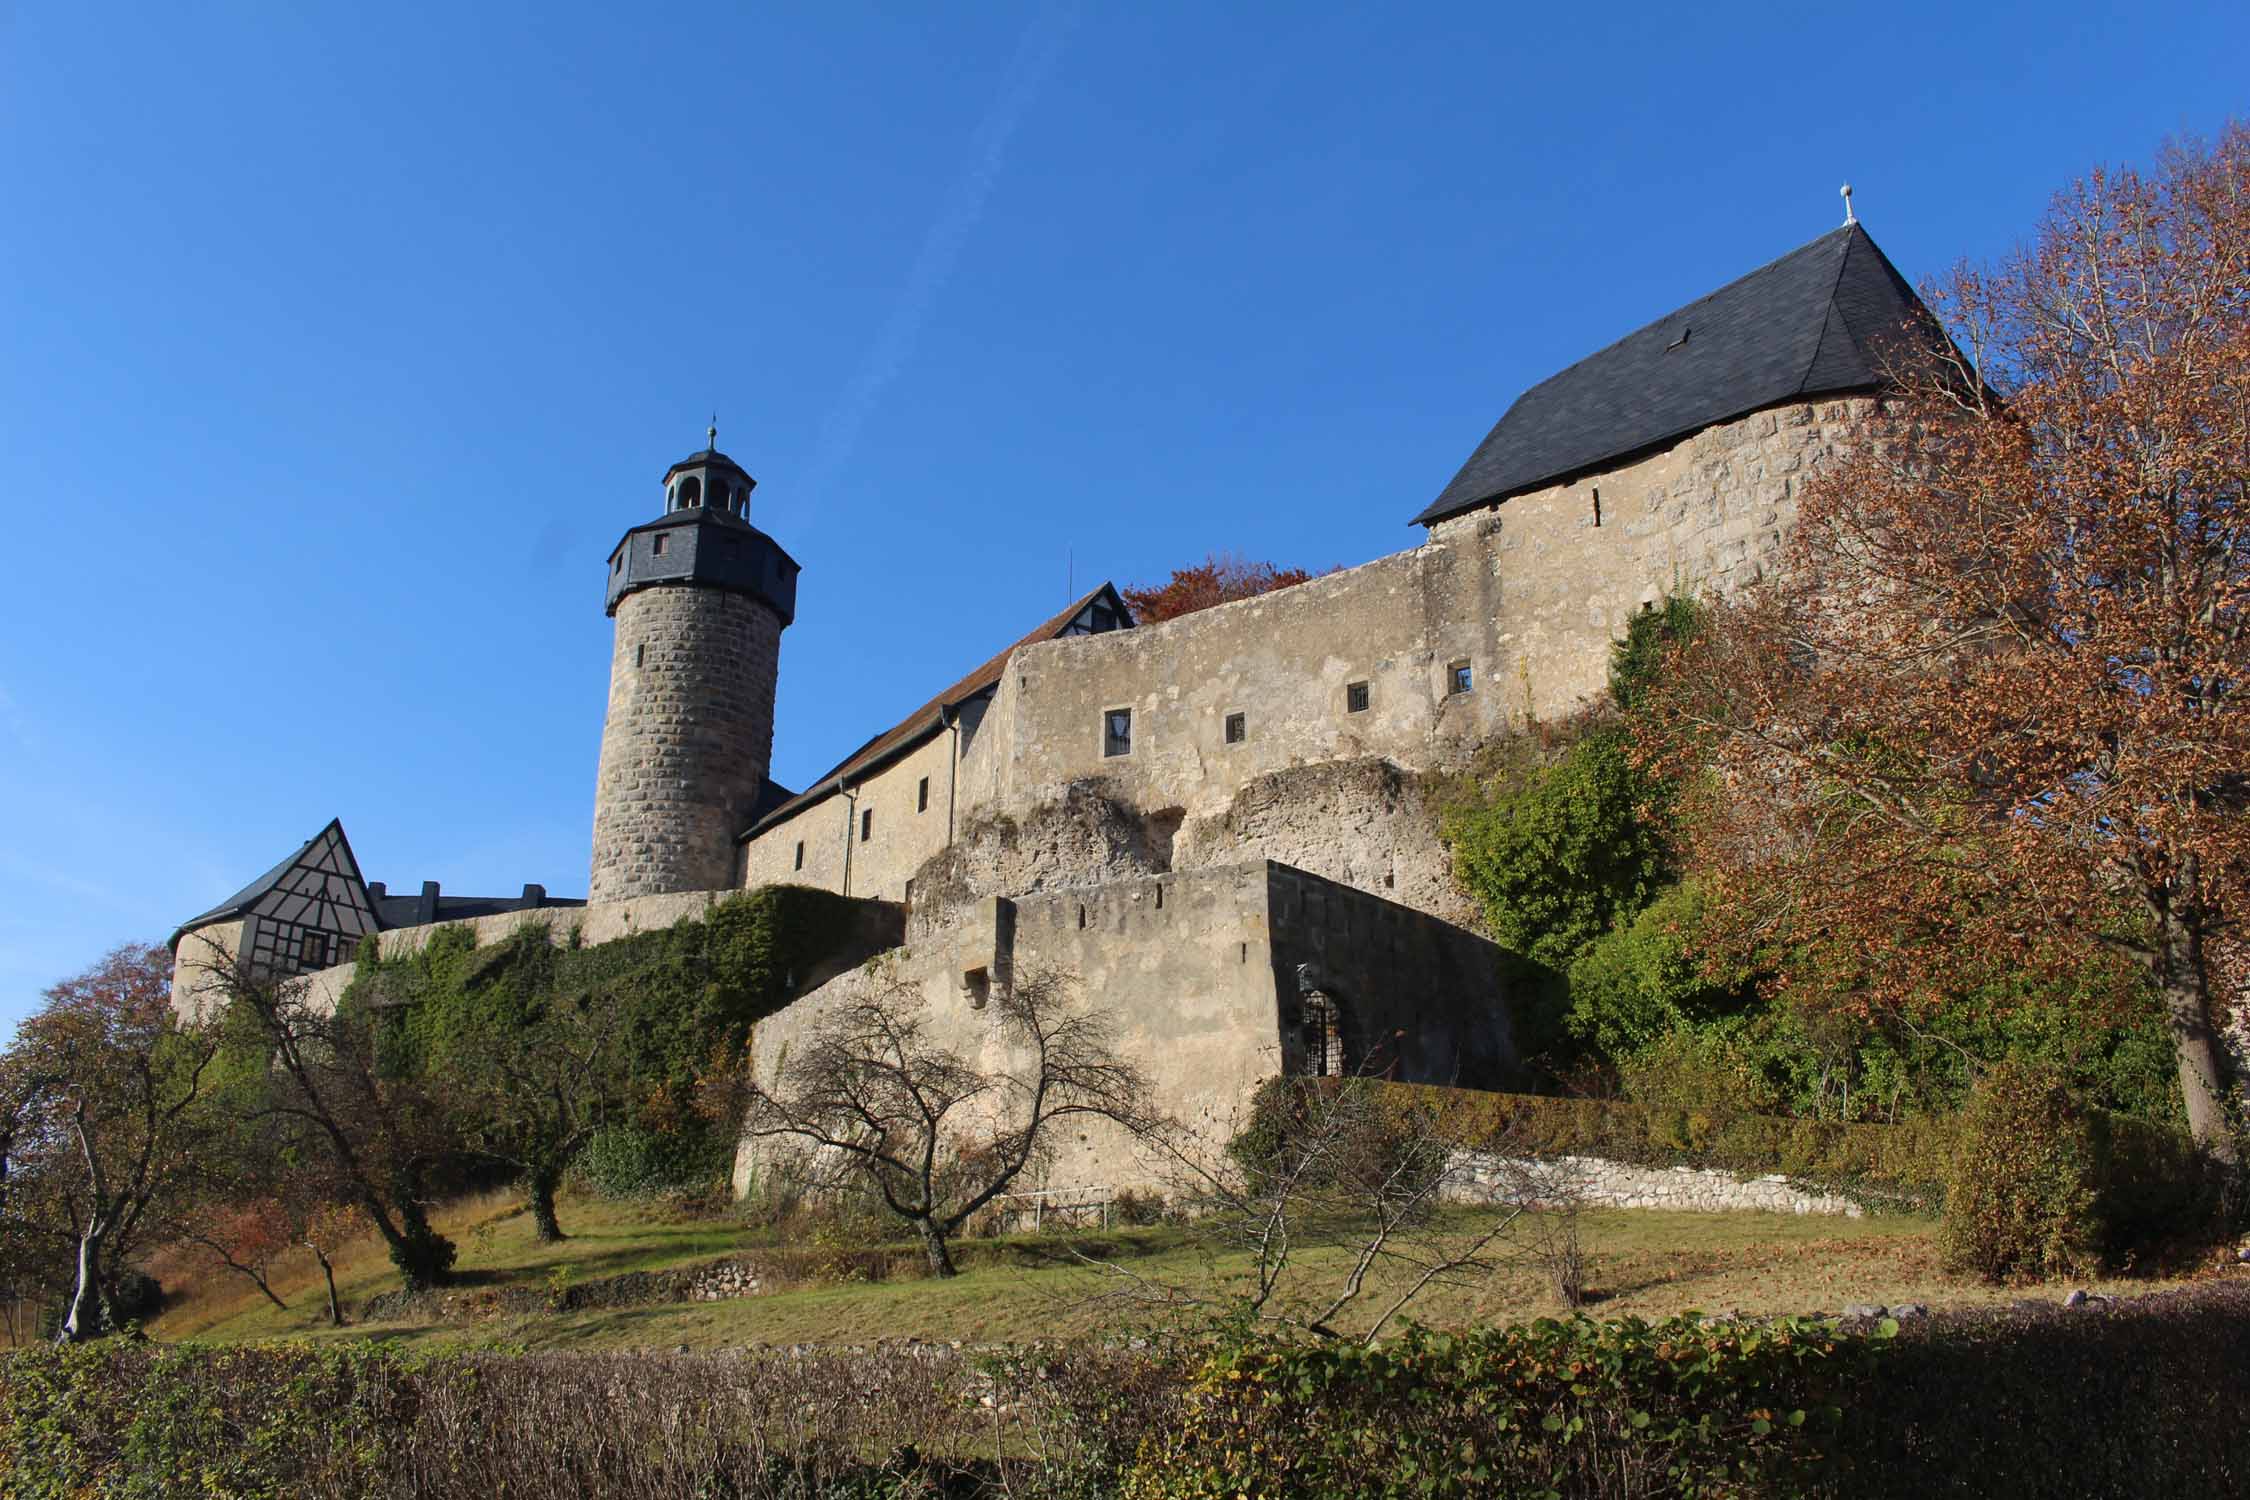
(1849, 216)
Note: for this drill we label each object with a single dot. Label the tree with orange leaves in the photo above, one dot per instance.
(1221, 578)
(1995, 700)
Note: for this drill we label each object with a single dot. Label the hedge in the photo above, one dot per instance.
(2141, 1398)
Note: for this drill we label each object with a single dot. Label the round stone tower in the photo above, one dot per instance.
(700, 597)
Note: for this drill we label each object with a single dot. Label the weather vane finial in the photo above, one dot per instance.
(1849, 216)
(711, 433)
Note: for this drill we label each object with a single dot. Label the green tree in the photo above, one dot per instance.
(527, 1071)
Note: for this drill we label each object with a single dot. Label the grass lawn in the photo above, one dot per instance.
(1642, 1262)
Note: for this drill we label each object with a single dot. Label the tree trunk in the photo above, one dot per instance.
(86, 1319)
(543, 1186)
(934, 1246)
(328, 1272)
(2187, 1010)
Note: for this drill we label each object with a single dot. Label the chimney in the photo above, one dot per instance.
(534, 897)
(425, 910)
(375, 890)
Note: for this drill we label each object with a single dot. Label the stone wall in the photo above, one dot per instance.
(687, 740)
(1202, 973)
(1475, 1177)
(1365, 823)
(877, 927)
(1570, 564)
(1084, 837)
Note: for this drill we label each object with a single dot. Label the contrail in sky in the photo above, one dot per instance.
(1028, 70)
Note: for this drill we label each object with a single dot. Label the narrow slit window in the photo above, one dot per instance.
(800, 864)
(1355, 698)
(1458, 679)
(640, 654)
(1597, 505)
(922, 796)
(1117, 732)
(866, 824)
(1238, 728)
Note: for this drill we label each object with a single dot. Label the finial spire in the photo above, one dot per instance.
(711, 434)
(1849, 216)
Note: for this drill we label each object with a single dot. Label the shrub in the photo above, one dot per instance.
(1557, 861)
(1576, 1407)
(1367, 1133)
(630, 1161)
(2020, 1201)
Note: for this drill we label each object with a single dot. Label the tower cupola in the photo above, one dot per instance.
(709, 481)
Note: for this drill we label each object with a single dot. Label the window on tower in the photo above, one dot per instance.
(656, 549)
(691, 491)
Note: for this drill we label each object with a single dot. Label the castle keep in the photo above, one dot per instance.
(1216, 823)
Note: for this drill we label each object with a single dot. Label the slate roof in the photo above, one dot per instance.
(241, 901)
(1811, 323)
(926, 721)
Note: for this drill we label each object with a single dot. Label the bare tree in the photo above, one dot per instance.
(875, 1097)
(1335, 1166)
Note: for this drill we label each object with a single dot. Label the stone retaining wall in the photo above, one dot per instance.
(1598, 1183)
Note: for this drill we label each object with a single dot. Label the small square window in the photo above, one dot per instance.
(656, 548)
(800, 864)
(1355, 698)
(866, 824)
(922, 796)
(1117, 732)
(1458, 678)
(1238, 728)
(312, 950)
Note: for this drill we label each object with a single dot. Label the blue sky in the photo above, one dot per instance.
(342, 341)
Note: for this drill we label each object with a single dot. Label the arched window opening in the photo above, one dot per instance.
(691, 492)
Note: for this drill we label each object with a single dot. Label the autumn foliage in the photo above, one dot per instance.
(1221, 578)
(1993, 703)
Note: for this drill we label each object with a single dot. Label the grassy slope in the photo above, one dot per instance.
(1646, 1262)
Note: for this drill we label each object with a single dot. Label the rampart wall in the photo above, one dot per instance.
(1203, 974)
(879, 926)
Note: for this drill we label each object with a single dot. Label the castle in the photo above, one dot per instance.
(1215, 824)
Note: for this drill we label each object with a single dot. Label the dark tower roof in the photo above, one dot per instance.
(1811, 323)
(708, 458)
